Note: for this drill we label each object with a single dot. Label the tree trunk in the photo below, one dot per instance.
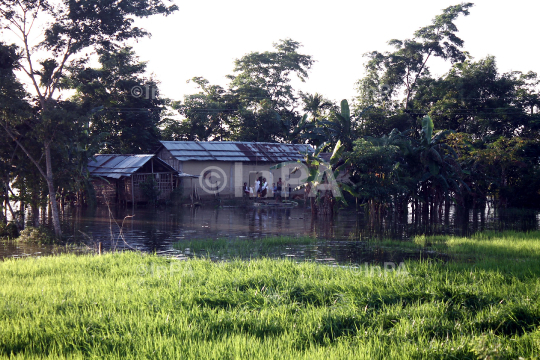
(22, 205)
(14, 217)
(52, 192)
(62, 200)
(48, 175)
(34, 206)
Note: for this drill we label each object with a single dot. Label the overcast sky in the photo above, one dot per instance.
(204, 37)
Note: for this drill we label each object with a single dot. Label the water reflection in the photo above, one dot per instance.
(343, 239)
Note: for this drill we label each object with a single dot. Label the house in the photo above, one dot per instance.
(224, 166)
(120, 178)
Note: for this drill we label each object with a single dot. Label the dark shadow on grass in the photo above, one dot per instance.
(516, 321)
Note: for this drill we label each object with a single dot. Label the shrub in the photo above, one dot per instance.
(40, 235)
(9, 230)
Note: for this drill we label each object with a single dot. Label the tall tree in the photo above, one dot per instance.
(475, 98)
(402, 68)
(79, 26)
(12, 106)
(262, 84)
(207, 114)
(124, 106)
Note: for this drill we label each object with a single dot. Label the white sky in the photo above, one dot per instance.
(204, 37)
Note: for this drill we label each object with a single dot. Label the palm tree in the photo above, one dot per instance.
(315, 104)
(293, 134)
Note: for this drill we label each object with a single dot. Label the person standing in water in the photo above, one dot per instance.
(279, 188)
(246, 190)
(264, 189)
(257, 187)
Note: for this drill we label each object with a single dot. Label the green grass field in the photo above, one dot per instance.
(485, 304)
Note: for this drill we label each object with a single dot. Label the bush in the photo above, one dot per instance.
(40, 235)
(8, 230)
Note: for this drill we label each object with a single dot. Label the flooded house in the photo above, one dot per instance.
(132, 178)
(224, 166)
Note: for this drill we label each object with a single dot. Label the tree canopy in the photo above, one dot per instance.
(76, 27)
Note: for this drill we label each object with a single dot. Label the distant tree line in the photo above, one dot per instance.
(486, 151)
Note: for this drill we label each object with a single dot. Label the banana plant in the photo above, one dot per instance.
(438, 161)
(321, 175)
(341, 125)
(293, 133)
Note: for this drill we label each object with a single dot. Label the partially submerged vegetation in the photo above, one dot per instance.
(488, 244)
(241, 247)
(8, 231)
(132, 305)
(30, 235)
(39, 235)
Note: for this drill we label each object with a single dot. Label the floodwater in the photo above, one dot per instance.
(348, 238)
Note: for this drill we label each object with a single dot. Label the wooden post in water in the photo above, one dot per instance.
(99, 248)
(132, 196)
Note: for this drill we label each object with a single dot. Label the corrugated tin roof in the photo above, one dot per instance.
(115, 166)
(235, 151)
